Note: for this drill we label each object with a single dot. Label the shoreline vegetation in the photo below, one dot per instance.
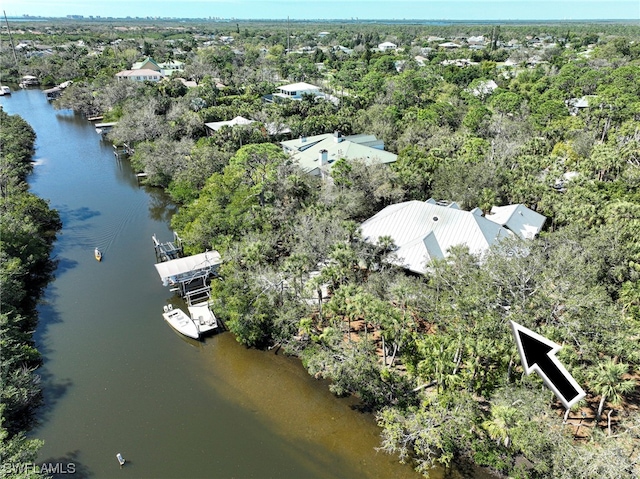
(28, 229)
(545, 115)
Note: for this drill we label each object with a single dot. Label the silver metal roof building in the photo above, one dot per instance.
(425, 230)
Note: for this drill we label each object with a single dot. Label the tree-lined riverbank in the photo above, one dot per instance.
(28, 228)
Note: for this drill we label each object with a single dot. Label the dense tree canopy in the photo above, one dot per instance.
(543, 115)
(27, 230)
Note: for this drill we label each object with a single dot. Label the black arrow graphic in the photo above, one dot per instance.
(538, 354)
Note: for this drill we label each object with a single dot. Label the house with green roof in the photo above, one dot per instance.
(317, 154)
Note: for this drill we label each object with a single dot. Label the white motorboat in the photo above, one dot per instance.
(203, 317)
(179, 321)
(5, 90)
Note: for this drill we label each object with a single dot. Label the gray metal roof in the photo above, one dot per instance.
(424, 231)
(523, 221)
(184, 269)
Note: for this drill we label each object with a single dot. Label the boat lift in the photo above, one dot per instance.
(189, 275)
(169, 250)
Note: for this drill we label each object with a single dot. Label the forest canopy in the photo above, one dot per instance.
(547, 116)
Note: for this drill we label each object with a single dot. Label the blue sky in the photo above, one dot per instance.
(331, 9)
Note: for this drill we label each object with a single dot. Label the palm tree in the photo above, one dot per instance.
(503, 420)
(607, 381)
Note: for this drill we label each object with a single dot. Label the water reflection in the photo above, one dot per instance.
(161, 208)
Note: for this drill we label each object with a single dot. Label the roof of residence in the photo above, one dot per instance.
(426, 230)
(147, 63)
(523, 221)
(449, 45)
(272, 128)
(307, 150)
(300, 86)
(144, 72)
(238, 120)
(484, 88)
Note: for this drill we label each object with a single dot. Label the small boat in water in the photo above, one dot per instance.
(5, 90)
(120, 459)
(98, 254)
(179, 321)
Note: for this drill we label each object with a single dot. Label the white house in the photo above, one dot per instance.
(449, 45)
(140, 75)
(149, 70)
(425, 230)
(317, 154)
(296, 90)
(386, 46)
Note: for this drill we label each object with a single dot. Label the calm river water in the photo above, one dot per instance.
(117, 378)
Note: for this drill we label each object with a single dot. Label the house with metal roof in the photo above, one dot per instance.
(426, 230)
(519, 219)
(294, 91)
(386, 46)
(149, 70)
(317, 154)
(238, 120)
(166, 68)
(271, 128)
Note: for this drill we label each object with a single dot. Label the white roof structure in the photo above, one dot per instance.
(424, 231)
(484, 88)
(271, 128)
(182, 270)
(299, 87)
(238, 120)
(523, 221)
(387, 46)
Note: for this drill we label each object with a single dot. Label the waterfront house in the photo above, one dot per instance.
(426, 230)
(139, 75)
(317, 154)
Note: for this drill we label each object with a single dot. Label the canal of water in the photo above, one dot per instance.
(118, 379)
